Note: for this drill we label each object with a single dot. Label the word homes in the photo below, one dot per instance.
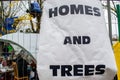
(77, 40)
(74, 9)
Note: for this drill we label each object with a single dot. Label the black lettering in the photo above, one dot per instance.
(96, 11)
(88, 10)
(54, 69)
(86, 39)
(65, 70)
(64, 10)
(76, 40)
(100, 69)
(74, 9)
(78, 70)
(89, 70)
(53, 12)
(67, 40)
(77, 9)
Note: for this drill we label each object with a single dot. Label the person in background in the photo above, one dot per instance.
(22, 66)
(34, 74)
(5, 51)
(4, 62)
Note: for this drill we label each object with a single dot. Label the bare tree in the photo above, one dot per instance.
(38, 17)
(11, 9)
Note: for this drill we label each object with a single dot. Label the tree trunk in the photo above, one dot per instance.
(39, 17)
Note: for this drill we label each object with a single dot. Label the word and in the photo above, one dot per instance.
(77, 40)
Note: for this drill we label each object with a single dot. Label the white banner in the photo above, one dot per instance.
(74, 42)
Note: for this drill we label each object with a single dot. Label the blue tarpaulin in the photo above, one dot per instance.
(8, 23)
(35, 7)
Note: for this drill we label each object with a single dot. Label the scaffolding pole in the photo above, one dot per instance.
(109, 21)
(118, 17)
